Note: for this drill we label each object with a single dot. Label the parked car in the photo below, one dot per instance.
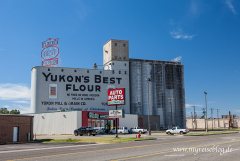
(85, 131)
(130, 130)
(121, 130)
(139, 130)
(176, 130)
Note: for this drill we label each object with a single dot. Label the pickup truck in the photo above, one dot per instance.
(85, 131)
(176, 130)
(121, 130)
(138, 130)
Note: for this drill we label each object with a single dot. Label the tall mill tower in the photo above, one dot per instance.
(116, 55)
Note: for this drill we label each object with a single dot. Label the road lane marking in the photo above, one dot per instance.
(13, 151)
(175, 151)
(103, 149)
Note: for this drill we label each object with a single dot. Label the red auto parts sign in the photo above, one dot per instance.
(116, 97)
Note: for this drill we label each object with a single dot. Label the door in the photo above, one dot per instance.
(174, 130)
(15, 134)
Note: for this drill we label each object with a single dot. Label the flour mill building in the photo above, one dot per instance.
(77, 89)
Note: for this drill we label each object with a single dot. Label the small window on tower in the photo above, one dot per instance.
(120, 58)
(87, 71)
(113, 71)
(75, 70)
(48, 69)
(100, 72)
(115, 44)
(124, 58)
(125, 72)
(119, 72)
(125, 64)
(62, 70)
(124, 44)
(113, 63)
(115, 57)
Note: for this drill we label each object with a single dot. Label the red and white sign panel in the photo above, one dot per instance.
(50, 52)
(116, 113)
(50, 62)
(116, 97)
(50, 42)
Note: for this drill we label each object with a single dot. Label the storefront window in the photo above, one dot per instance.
(89, 123)
(103, 126)
(112, 125)
(93, 123)
(98, 123)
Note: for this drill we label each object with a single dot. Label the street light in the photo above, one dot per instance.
(194, 117)
(206, 121)
(149, 132)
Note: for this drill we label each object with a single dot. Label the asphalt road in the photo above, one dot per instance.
(212, 147)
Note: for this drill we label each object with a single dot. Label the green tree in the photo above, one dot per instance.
(15, 111)
(4, 111)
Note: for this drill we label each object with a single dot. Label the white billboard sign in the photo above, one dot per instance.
(116, 114)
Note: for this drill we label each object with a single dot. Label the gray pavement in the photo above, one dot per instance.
(153, 134)
(217, 147)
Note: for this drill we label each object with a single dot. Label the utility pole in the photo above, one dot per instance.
(212, 117)
(217, 116)
(149, 132)
(194, 117)
(116, 125)
(206, 120)
(204, 113)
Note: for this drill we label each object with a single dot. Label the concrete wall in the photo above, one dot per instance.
(117, 50)
(200, 123)
(154, 122)
(8, 122)
(85, 89)
(56, 123)
(130, 120)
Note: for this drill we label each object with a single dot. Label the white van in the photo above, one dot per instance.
(121, 130)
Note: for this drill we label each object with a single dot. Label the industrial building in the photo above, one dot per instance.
(77, 89)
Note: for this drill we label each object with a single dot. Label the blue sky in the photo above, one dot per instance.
(205, 33)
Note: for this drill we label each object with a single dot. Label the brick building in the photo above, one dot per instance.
(227, 116)
(14, 128)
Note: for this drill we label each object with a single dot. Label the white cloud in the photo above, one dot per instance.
(6, 106)
(190, 105)
(22, 109)
(237, 110)
(83, 11)
(1, 49)
(211, 101)
(14, 91)
(230, 5)
(177, 59)
(180, 35)
(21, 101)
(194, 8)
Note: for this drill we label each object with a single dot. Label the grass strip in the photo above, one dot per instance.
(94, 140)
(235, 129)
(211, 133)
